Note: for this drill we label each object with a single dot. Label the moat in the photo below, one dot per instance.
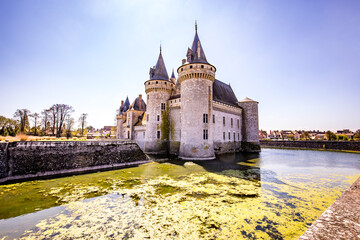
(276, 194)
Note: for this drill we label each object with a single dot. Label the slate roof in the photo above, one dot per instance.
(173, 74)
(159, 72)
(223, 93)
(139, 105)
(196, 54)
(126, 106)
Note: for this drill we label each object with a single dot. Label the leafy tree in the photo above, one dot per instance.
(343, 137)
(331, 136)
(82, 121)
(8, 126)
(357, 135)
(23, 117)
(291, 137)
(305, 136)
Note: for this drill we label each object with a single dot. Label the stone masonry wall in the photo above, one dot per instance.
(3, 160)
(37, 158)
(330, 145)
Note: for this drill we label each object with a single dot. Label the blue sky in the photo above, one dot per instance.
(299, 59)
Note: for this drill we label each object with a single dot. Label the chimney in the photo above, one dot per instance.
(183, 61)
(122, 103)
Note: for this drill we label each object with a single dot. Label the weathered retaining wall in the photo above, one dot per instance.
(341, 220)
(21, 160)
(329, 145)
(3, 160)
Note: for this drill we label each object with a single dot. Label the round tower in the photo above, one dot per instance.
(158, 89)
(196, 77)
(250, 126)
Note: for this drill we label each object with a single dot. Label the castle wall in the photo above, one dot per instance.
(175, 127)
(251, 122)
(196, 101)
(227, 137)
(157, 93)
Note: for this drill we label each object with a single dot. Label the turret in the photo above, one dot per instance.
(158, 89)
(196, 77)
(250, 131)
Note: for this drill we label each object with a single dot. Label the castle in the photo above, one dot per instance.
(194, 116)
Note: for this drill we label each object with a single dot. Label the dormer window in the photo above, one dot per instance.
(202, 66)
(190, 66)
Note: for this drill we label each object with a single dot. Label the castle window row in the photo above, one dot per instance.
(231, 121)
(205, 134)
(191, 66)
(163, 106)
(205, 118)
(229, 136)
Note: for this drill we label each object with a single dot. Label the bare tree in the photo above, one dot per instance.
(69, 122)
(36, 118)
(82, 121)
(23, 116)
(64, 111)
(58, 113)
(45, 120)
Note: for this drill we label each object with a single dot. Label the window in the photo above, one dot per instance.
(205, 118)
(224, 121)
(238, 123)
(224, 135)
(165, 83)
(147, 117)
(157, 82)
(229, 136)
(181, 69)
(190, 66)
(144, 134)
(163, 106)
(205, 134)
(234, 137)
(231, 122)
(158, 117)
(213, 118)
(202, 66)
(238, 136)
(158, 134)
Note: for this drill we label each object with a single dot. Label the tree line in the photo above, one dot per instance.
(54, 121)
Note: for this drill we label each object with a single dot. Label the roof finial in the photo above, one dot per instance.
(160, 46)
(195, 25)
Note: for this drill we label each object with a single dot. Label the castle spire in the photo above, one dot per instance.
(159, 71)
(173, 74)
(198, 54)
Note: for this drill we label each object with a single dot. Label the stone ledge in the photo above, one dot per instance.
(341, 220)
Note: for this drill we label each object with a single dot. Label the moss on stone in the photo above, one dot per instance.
(165, 129)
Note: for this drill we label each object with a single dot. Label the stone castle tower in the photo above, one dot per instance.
(196, 77)
(194, 116)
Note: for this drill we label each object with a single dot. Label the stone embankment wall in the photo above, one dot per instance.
(326, 145)
(26, 160)
(341, 220)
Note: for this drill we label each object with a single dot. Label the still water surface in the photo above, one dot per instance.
(276, 194)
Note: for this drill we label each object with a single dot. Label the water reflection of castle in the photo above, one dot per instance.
(193, 116)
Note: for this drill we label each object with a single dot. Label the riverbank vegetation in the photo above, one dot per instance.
(54, 123)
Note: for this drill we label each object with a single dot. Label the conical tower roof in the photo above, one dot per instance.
(173, 74)
(159, 72)
(126, 105)
(198, 54)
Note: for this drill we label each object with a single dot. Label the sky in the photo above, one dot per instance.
(298, 59)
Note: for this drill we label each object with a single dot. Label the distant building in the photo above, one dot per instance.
(193, 116)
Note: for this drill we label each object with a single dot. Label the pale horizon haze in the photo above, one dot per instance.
(299, 59)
